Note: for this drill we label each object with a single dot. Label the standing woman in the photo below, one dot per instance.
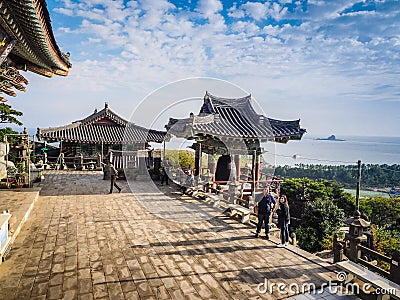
(283, 220)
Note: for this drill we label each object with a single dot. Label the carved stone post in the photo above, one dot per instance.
(293, 239)
(81, 165)
(99, 161)
(62, 161)
(337, 249)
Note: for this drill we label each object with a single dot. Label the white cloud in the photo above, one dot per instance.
(234, 12)
(134, 47)
(259, 10)
(209, 7)
(255, 10)
(64, 11)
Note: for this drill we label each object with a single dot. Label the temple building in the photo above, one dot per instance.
(230, 127)
(99, 134)
(27, 43)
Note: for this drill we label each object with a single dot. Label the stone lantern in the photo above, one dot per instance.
(357, 227)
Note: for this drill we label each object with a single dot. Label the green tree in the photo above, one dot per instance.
(385, 242)
(298, 188)
(7, 114)
(181, 158)
(382, 212)
(8, 130)
(373, 175)
(321, 219)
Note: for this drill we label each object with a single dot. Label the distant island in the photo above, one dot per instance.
(330, 138)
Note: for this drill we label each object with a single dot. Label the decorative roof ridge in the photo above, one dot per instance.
(69, 126)
(243, 106)
(131, 124)
(285, 122)
(245, 100)
(105, 112)
(205, 119)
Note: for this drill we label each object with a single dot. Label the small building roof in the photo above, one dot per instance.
(234, 118)
(105, 127)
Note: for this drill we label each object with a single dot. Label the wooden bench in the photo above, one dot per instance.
(391, 289)
(244, 212)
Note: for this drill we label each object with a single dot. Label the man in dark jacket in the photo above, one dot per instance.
(265, 203)
(114, 175)
(165, 171)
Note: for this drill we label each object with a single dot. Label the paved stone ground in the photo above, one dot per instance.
(81, 243)
(18, 202)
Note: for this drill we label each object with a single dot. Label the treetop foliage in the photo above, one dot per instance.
(7, 114)
(372, 175)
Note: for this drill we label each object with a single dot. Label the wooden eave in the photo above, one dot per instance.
(36, 50)
(90, 130)
(234, 119)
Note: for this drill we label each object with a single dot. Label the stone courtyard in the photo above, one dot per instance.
(81, 243)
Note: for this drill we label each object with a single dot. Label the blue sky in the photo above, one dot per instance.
(333, 64)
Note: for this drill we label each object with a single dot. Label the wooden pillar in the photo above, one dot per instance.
(197, 159)
(253, 173)
(257, 168)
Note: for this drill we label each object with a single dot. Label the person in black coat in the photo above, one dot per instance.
(114, 176)
(165, 171)
(283, 220)
(264, 204)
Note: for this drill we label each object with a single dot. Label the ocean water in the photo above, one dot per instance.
(370, 150)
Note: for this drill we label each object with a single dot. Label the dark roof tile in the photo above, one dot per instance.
(234, 118)
(112, 129)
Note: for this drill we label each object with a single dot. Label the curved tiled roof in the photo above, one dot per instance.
(234, 118)
(28, 23)
(105, 127)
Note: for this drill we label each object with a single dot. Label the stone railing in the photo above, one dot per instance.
(368, 258)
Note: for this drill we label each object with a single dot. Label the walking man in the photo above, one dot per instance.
(165, 171)
(114, 175)
(265, 204)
